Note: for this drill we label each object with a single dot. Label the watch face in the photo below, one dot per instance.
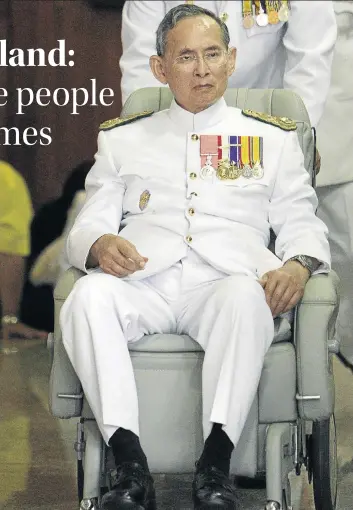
(304, 261)
(309, 262)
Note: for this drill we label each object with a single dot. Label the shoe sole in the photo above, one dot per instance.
(151, 505)
(210, 506)
(132, 505)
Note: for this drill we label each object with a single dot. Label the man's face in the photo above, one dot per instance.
(196, 64)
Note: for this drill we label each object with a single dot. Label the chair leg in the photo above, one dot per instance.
(279, 463)
(89, 504)
(92, 460)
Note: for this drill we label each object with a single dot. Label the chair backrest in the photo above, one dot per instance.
(277, 102)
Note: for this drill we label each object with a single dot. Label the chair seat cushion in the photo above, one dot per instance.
(183, 343)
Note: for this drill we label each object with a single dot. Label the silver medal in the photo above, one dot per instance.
(207, 171)
(257, 171)
(247, 171)
(262, 18)
(283, 13)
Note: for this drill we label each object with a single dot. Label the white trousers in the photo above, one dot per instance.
(336, 210)
(227, 315)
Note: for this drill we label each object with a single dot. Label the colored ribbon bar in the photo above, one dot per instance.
(209, 150)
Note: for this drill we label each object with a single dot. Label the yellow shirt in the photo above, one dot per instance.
(15, 212)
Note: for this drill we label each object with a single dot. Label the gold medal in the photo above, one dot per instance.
(228, 170)
(223, 169)
(272, 11)
(273, 17)
(234, 171)
(248, 21)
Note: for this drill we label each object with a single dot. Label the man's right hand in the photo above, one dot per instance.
(115, 256)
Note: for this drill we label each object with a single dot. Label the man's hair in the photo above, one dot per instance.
(177, 14)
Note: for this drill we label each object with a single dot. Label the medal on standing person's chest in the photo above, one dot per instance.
(259, 12)
(230, 157)
(264, 12)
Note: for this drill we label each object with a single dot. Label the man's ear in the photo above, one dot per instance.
(157, 68)
(231, 61)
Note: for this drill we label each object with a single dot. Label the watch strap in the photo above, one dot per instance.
(310, 263)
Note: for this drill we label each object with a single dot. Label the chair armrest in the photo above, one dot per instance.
(65, 392)
(314, 330)
(66, 282)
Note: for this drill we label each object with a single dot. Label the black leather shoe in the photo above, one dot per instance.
(212, 490)
(133, 489)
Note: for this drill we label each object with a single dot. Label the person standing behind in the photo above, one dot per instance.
(15, 218)
(335, 181)
(279, 45)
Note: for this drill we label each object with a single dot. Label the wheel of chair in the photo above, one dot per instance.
(91, 504)
(94, 503)
(274, 505)
(323, 462)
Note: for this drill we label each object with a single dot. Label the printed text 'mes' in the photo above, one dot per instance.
(35, 57)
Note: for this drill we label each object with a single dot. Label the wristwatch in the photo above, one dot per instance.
(310, 263)
(9, 319)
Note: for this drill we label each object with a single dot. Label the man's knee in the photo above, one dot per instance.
(95, 286)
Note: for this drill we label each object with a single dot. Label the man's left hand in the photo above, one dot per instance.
(284, 287)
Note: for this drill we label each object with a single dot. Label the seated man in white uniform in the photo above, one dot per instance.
(174, 236)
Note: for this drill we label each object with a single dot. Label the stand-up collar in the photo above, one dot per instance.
(198, 121)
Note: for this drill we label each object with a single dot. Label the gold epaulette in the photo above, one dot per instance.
(121, 121)
(281, 122)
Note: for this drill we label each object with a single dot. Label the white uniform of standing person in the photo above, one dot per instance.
(335, 180)
(294, 54)
(190, 193)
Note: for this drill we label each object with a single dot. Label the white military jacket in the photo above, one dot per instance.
(296, 54)
(149, 184)
(335, 130)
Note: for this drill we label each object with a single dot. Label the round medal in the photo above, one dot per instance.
(247, 171)
(234, 171)
(262, 19)
(207, 172)
(283, 13)
(257, 171)
(248, 21)
(273, 17)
